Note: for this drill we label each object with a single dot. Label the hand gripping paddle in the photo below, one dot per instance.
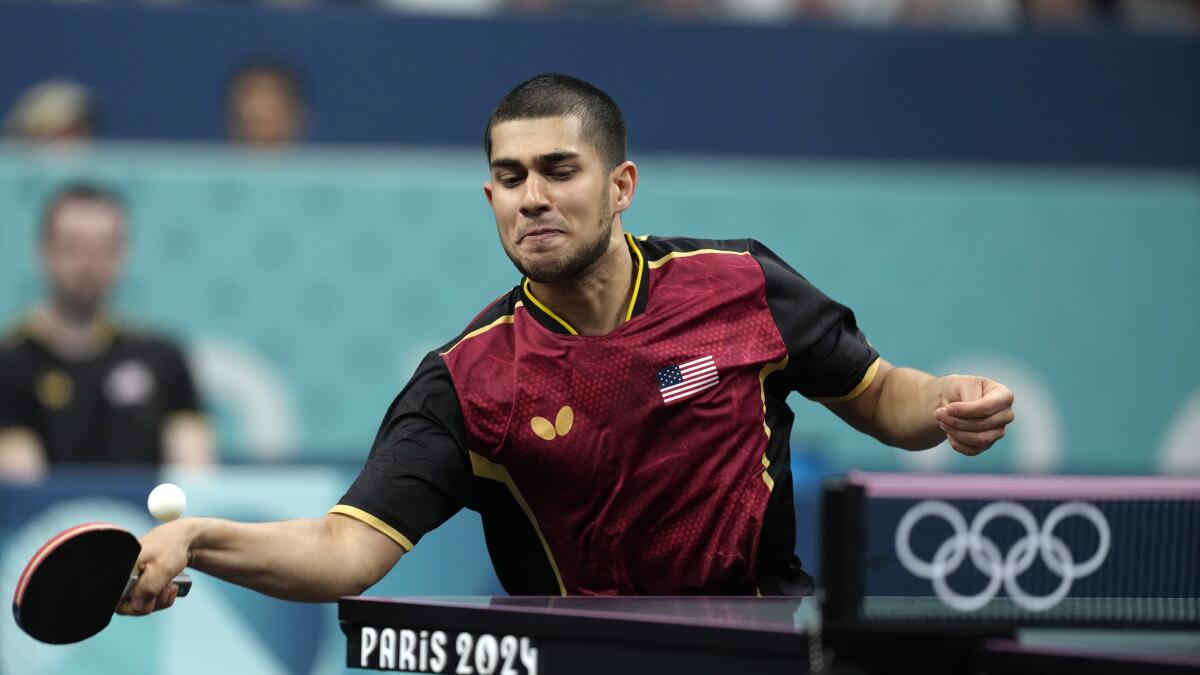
(72, 585)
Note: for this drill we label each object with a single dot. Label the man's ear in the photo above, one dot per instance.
(624, 180)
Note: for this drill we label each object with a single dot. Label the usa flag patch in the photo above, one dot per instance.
(686, 379)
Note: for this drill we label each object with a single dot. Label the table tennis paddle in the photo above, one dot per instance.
(72, 585)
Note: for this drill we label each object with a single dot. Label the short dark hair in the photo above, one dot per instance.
(555, 95)
(78, 191)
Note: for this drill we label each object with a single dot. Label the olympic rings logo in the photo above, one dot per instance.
(985, 555)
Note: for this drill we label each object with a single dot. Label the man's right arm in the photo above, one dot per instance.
(303, 560)
(416, 477)
(22, 454)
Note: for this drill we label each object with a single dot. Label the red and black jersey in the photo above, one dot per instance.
(651, 460)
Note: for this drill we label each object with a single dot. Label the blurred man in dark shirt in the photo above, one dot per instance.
(76, 387)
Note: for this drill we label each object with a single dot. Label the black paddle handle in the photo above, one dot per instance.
(183, 581)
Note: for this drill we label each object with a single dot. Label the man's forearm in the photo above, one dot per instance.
(294, 560)
(904, 413)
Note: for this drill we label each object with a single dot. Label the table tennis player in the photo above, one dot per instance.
(618, 418)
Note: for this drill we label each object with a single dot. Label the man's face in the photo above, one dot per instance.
(262, 112)
(552, 197)
(82, 253)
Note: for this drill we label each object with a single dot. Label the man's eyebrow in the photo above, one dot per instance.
(540, 160)
(555, 157)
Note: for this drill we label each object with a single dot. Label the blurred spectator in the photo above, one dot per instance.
(682, 8)
(1177, 15)
(1150, 15)
(266, 104)
(77, 388)
(964, 13)
(762, 10)
(1061, 12)
(54, 111)
(1161, 15)
(537, 6)
(446, 7)
(959, 13)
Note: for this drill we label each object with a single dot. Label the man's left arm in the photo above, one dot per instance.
(914, 410)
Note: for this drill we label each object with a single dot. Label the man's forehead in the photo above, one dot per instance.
(88, 216)
(90, 207)
(527, 138)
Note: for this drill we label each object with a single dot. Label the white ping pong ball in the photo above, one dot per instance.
(166, 502)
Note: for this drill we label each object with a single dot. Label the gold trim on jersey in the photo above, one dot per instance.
(637, 282)
(485, 468)
(549, 312)
(639, 263)
(655, 264)
(364, 517)
(866, 381)
(507, 318)
(762, 394)
(103, 328)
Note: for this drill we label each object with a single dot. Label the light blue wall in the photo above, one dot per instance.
(334, 272)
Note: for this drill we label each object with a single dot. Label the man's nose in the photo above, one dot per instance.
(534, 201)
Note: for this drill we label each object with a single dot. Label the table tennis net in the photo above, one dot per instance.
(1011, 550)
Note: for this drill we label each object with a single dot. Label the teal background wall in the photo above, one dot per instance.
(308, 285)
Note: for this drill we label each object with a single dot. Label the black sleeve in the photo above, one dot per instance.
(17, 407)
(418, 474)
(178, 390)
(828, 356)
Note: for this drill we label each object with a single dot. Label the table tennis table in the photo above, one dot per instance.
(554, 635)
(871, 614)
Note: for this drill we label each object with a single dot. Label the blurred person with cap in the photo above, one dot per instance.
(76, 387)
(266, 104)
(54, 111)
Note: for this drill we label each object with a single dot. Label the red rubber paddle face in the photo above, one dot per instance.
(72, 585)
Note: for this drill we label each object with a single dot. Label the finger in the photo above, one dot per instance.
(982, 440)
(964, 449)
(167, 597)
(141, 607)
(994, 421)
(152, 582)
(990, 403)
(164, 596)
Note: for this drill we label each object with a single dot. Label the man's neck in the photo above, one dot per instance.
(69, 333)
(597, 301)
